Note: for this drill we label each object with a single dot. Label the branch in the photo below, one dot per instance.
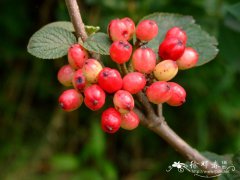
(164, 131)
(147, 106)
(76, 19)
(159, 110)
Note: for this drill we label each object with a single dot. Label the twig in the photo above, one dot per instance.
(76, 19)
(144, 101)
(159, 110)
(130, 66)
(123, 68)
(164, 131)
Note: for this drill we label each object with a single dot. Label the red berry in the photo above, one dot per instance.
(79, 80)
(147, 30)
(159, 92)
(70, 100)
(110, 80)
(178, 95)
(94, 97)
(120, 51)
(178, 33)
(130, 25)
(65, 75)
(120, 30)
(129, 121)
(76, 56)
(111, 120)
(134, 82)
(189, 59)
(144, 60)
(165, 70)
(171, 48)
(91, 69)
(123, 101)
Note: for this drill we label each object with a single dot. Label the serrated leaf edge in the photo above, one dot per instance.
(46, 30)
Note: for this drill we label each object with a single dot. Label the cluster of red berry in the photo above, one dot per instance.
(89, 77)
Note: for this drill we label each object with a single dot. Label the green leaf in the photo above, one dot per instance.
(98, 43)
(203, 43)
(50, 42)
(197, 38)
(67, 25)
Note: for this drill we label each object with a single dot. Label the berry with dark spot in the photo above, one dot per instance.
(171, 48)
(120, 51)
(70, 100)
(130, 26)
(91, 69)
(111, 120)
(123, 101)
(79, 81)
(94, 97)
(121, 29)
(178, 33)
(77, 56)
(165, 70)
(110, 80)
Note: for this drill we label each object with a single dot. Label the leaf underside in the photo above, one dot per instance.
(67, 25)
(50, 42)
(53, 40)
(98, 43)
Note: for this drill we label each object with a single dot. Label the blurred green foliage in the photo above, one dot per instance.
(39, 141)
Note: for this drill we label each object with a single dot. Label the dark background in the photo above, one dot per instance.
(40, 141)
